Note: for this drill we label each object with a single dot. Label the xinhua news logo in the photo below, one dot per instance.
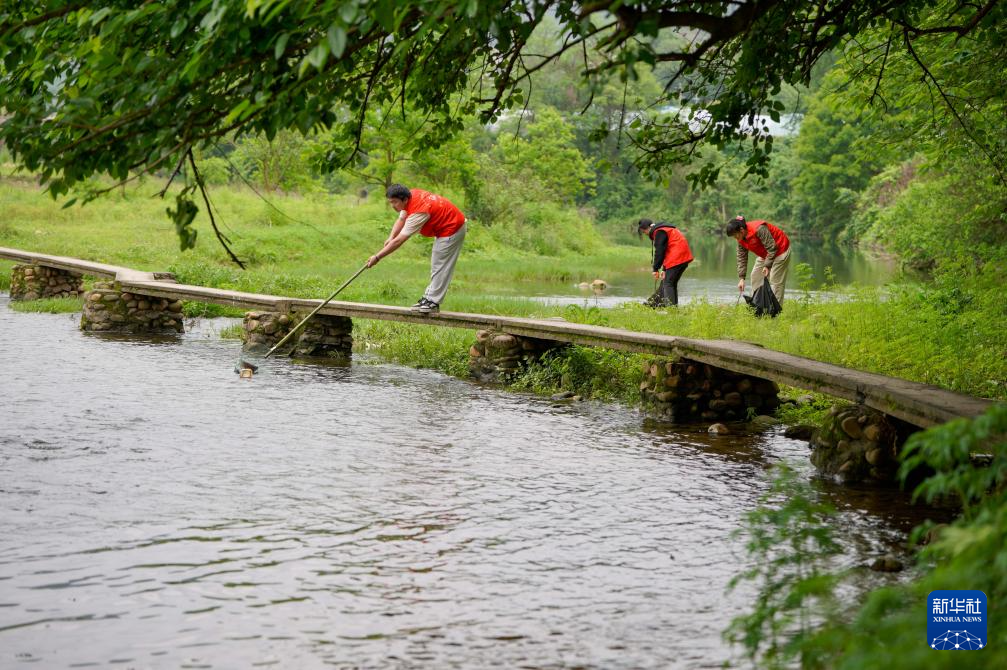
(956, 620)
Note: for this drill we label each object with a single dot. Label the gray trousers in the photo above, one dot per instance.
(442, 264)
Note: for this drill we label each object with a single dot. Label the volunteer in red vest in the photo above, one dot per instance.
(429, 215)
(671, 256)
(772, 248)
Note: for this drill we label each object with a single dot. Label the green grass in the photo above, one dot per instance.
(205, 310)
(324, 241)
(947, 333)
(235, 332)
(811, 413)
(49, 305)
(444, 349)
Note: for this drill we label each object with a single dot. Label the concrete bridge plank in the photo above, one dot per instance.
(63, 263)
(919, 404)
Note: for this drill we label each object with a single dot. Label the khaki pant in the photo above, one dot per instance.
(777, 274)
(442, 264)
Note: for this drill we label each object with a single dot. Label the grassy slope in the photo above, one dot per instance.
(952, 343)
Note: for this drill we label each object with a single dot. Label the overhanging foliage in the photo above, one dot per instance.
(128, 87)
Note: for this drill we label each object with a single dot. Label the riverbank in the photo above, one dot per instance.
(395, 510)
(945, 333)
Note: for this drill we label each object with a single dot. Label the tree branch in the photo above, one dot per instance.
(7, 28)
(209, 211)
(881, 72)
(950, 105)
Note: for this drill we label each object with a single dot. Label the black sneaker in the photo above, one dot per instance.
(429, 307)
(419, 304)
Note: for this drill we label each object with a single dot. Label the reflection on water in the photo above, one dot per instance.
(713, 274)
(161, 512)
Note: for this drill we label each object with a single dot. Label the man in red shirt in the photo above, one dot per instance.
(431, 216)
(671, 256)
(772, 247)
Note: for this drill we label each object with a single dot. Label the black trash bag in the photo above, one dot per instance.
(656, 300)
(764, 302)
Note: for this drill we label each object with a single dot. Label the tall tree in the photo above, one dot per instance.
(129, 86)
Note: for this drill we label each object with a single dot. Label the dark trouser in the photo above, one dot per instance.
(669, 285)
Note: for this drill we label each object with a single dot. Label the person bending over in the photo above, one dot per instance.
(671, 256)
(432, 216)
(772, 248)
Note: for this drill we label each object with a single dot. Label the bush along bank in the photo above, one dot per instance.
(791, 535)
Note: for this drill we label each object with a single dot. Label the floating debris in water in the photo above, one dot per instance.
(245, 369)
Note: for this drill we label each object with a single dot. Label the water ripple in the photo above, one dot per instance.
(161, 512)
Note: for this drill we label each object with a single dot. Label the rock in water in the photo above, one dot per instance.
(799, 432)
(887, 563)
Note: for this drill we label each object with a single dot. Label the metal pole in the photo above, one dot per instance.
(314, 311)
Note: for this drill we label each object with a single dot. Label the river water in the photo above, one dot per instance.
(160, 512)
(713, 275)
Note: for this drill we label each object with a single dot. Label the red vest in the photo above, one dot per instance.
(677, 251)
(752, 243)
(445, 219)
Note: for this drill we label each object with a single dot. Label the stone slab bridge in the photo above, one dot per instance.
(687, 380)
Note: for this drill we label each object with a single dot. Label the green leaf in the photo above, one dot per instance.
(178, 26)
(100, 15)
(337, 40)
(237, 110)
(183, 216)
(281, 45)
(318, 55)
(348, 13)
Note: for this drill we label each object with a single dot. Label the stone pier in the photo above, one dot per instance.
(322, 336)
(498, 356)
(685, 391)
(32, 282)
(857, 443)
(109, 309)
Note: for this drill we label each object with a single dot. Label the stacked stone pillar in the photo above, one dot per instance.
(33, 282)
(857, 443)
(497, 356)
(685, 391)
(323, 336)
(109, 309)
